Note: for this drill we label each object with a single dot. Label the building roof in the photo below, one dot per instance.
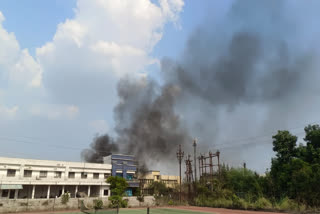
(8, 160)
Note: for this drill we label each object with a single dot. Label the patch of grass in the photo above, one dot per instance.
(263, 204)
(287, 204)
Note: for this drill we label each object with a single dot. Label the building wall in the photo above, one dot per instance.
(38, 186)
(171, 181)
(126, 167)
(29, 205)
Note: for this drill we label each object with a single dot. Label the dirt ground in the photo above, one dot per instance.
(221, 210)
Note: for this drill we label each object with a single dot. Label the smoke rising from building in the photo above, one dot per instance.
(251, 72)
(100, 147)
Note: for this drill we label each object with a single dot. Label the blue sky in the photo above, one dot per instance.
(34, 22)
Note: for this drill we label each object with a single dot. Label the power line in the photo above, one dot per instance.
(217, 145)
(267, 141)
(264, 135)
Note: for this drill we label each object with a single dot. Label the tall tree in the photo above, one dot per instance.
(284, 144)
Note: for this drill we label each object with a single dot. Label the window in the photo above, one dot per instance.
(84, 175)
(95, 175)
(57, 174)
(71, 175)
(106, 175)
(5, 193)
(43, 174)
(27, 173)
(105, 192)
(129, 176)
(11, 173)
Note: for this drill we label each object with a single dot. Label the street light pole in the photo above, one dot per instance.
(180, 155)
(195, 159)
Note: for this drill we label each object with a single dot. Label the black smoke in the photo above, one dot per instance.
(100, 147)
(254, 60)
(146, 120)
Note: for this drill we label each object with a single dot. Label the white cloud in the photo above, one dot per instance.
(7, 112)
(55, 112)
(112, 37)
(105, 41)
(172, 8)
(79, 67)
(18, 68)
(98, 126)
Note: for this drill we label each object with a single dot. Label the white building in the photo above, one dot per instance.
(27, 178)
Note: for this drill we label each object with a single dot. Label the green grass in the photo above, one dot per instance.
(142, 211)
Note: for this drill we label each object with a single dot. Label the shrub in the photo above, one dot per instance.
(117, 201)
(170, 202)
(239, 203)
(65, 198)
(287, 204)
(98, 204)
(262, 204)
(124, 203)
(223, 203)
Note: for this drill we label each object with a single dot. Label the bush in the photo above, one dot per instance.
(287, 204)
(262, 204)
(115, 201)
(124, 203)
(98, 204)
(65, 198)
(222, 203)
(170, 202)
(239, 203)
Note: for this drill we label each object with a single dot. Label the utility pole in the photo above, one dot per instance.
(218, 156)
(180, 155)
(195, 159)
(189, 176)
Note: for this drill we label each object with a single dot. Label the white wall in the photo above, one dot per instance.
(51, 167)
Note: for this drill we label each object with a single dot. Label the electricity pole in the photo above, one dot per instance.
(195, 159)
(180, 155)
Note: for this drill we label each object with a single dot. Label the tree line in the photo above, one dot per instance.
(292, 183)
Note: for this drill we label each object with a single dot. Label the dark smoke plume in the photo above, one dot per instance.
(146, 121)
(245, 74)
(100, 147)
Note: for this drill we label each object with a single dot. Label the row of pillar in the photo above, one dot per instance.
(63, 191)
(16, 193)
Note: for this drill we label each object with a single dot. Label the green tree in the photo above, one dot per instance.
(313, 144)
(295, 172)
(245, 183)
(158, 188)
(284, 144)
(118, 187)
